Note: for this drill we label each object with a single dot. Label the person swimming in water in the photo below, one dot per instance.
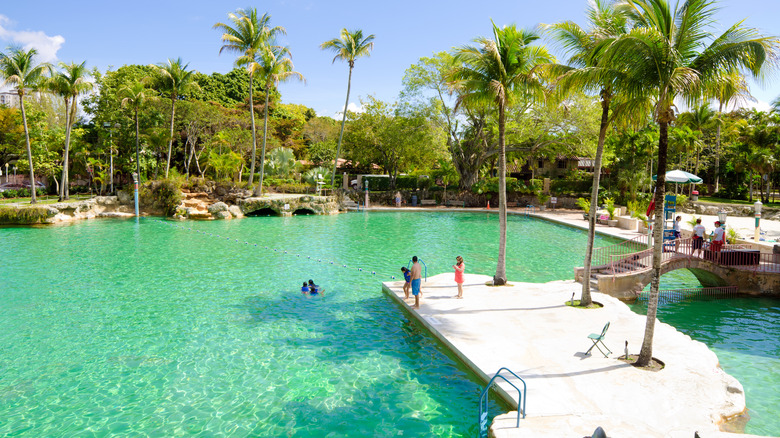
(314, 289)
(305, 288)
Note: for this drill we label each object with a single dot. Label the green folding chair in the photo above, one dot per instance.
(599, 339)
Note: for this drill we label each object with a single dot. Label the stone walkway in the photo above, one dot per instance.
(527, 328)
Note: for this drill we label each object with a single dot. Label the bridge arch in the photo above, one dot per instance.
(303, 211)
(264, 211)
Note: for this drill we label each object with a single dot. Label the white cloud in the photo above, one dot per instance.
(760, 105)
(352, 107)
(47, 46)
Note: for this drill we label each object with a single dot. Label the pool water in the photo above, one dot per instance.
(113, 327)
(745, 334)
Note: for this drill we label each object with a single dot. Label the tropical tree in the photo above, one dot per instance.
(587, 70)
(671, 53)
(275, 66)
(68, 83)
(175, 79)
(248, 35)
(135, 95)
(500, 70)
(18, 68)
(348, 47)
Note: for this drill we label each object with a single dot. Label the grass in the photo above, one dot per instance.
(48, 199)
(593, 305)
(734, 201)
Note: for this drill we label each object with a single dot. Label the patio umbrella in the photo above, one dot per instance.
(681, 177)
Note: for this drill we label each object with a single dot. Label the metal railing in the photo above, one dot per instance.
(673, 295)
(601, 256)
(423, 263)
(483, 406)
(738, 256)
(530, 209)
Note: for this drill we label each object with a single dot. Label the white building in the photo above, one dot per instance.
(9, 99)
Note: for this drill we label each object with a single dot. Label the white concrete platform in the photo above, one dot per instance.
(527, 328)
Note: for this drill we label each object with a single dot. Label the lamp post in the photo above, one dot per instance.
(135, 184)
(365, 204)
(6, 173)
(722, 218)
(757, 205)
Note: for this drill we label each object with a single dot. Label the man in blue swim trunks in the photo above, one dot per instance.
(416, 281)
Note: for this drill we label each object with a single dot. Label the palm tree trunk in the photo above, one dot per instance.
(254, 134)
(585, 299)
(170, 140)
(341, 133)
(500, 277)
(259, 190)
(137, 156)
(62, 191)
(646, 353)
(717, 148)
(29, 149)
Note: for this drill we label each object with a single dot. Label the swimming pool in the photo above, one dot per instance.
(745, 334)
(116, 328)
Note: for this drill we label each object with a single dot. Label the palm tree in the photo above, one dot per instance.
(587, 70)
(247, 35)
(173, 78)
(69, 83)
(18, 68)
(350, 46)
(671, 53)
(275, 66)
(135, 95)
(499, 71)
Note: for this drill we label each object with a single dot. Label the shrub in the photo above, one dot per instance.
(610, 205)
(490, 185)
(682, 201)
(584, 204)
(571, 186)
(23, 216)
(163, 195)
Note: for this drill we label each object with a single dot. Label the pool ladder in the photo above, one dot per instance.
(483, 400)
(530, 209)
(423, 263)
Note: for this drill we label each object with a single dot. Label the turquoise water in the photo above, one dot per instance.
(115, 328)
(745, 334)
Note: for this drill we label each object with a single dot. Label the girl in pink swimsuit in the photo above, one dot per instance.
(460, 267)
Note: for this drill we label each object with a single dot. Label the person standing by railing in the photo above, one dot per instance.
(698, 236)
(718, 238)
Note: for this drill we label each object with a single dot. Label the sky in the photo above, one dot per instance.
(108, 34)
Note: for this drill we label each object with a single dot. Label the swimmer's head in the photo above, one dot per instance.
(403, 269)
(304, 284)
(311, 281)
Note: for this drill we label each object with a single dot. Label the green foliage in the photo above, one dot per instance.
(280, 163)
(23, 216)
(634, 207)
(490, 185)
(322, 152)
(562, 186)
(313, 175)
(692, 221)
(226, 165)
(163, 195)
(543, 198)
(731, 236)
(584, 204)
(682, 201)
(610, 206)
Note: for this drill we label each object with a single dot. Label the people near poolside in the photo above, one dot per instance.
(676, 227)
(698, 236)
(460, 268)
(718, 237)
(407, 281)
(397, 199)
(416, 281)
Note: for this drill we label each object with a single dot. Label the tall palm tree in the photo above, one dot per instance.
(275, 66)
(247, 35)
(135, 95)
(587, 70)
(70, 82)
(173, 78)
(348, 47)
(499, 71)
(672, 54)
(18, 68)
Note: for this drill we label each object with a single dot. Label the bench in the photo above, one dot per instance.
(512, 204)
(428, 202)
(461, 204)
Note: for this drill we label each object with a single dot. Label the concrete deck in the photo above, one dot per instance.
(527, 328)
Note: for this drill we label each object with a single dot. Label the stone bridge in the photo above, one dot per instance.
(630, 274)
(288, 205)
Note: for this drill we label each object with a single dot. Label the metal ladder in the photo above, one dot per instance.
(483, 399)
(423, 263)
